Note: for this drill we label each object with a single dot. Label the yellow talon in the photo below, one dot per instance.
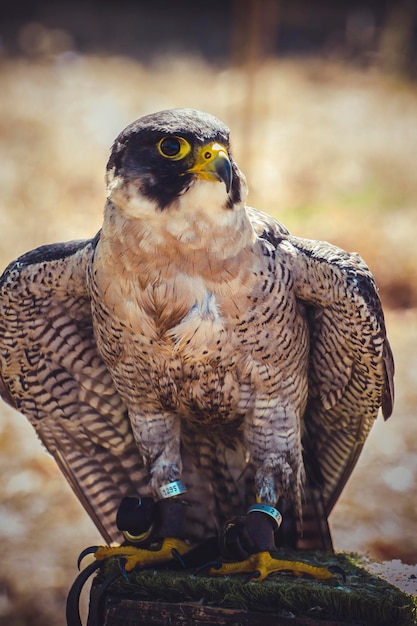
(139, 557)
(265, 564)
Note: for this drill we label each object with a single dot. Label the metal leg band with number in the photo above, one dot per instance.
(171, 490)
(268, 510)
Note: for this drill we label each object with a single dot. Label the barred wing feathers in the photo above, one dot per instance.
(351, 367)
(51, 372)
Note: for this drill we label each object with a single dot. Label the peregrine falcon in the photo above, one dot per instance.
(194, 360)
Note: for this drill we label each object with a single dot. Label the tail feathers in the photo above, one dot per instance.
(310, 533)
(315, 531)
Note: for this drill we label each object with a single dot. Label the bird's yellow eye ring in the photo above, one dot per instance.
(173, 147)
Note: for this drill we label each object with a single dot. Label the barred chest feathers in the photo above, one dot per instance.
(200, 343)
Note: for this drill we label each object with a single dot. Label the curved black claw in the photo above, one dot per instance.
(209, 564)
(73, 599)
(96, 597)
(252, 577)
(86, 552)
(177, 556)
(336, 569)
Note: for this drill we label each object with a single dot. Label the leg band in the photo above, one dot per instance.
(268, 510)
(172, 489)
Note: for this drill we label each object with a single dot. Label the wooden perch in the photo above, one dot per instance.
(125, 612)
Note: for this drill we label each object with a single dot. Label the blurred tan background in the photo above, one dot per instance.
(321, 99)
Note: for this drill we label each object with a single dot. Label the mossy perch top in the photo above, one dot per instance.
(362, 599)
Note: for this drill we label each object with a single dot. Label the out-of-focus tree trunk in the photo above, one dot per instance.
(397, 49)
(253, 41)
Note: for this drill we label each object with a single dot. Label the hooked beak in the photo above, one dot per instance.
(212, 163)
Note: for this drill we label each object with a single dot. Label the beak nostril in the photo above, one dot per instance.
(212, 163)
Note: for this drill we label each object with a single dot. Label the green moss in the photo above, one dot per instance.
(362, 598)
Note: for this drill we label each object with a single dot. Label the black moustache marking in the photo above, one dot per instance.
(136, 159)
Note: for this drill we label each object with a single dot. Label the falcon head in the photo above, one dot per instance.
(176, 160)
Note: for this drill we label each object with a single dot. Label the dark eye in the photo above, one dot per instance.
(170, 146)
(173, 147)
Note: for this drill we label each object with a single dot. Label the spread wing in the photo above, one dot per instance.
(351, 366)
(51, 372)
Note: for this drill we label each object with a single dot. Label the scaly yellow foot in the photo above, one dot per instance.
(139, 557)
(265, 564)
